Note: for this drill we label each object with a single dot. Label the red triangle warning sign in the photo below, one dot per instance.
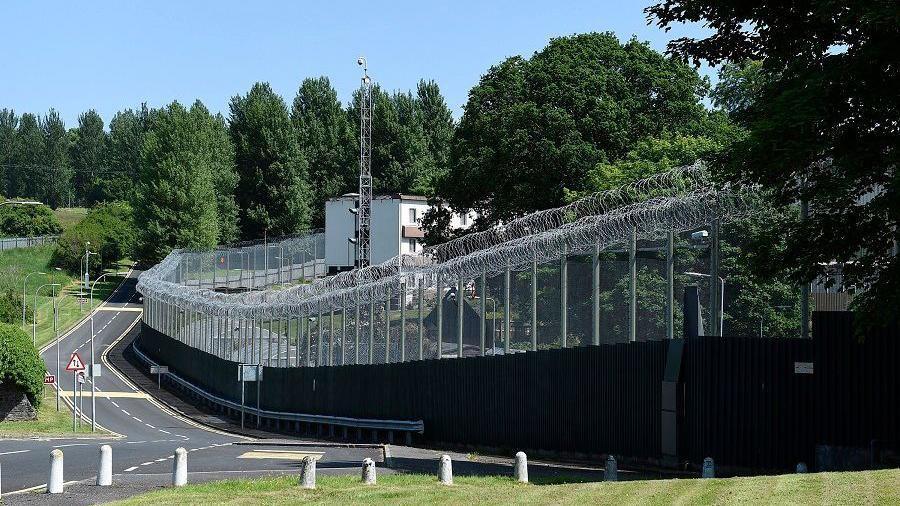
(75, 363)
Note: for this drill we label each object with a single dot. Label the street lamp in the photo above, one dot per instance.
(24, 296)
(93, 364)
(721, 298)
(55, 329)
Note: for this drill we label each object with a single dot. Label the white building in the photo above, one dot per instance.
(395, 228)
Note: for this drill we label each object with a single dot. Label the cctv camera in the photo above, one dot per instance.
(360, 61)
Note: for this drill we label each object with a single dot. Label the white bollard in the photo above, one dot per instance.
(611, 471)
(709, 468)
(179, 468)
(801, 468)
(308, 473)
(520, 469)
(104, 468)
(445, 470)
(55, 482)
(368, 472)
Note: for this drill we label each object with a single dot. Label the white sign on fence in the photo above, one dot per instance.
(803, 367)
(249, 372)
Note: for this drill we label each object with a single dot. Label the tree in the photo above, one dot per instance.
(822, 128)
(327, 143)
(437, 122)
(401, 159)
(126, 136)
(20, 363)
(8, 123)
(89, 149)
(273, 193)
(534, 129)
(109, 228)
(28, 221)
(54, 176)
(181, 190)
(22, 178)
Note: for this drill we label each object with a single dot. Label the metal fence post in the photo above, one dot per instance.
(595, 295)
(356, 328)
(506, 318)
(564, 297)
(460, 300)
(482, 323)
(632, 285)
(371, 330)
(714, 302)
(331, 337)
(670, 285)
(387, 327)
(343, 329)
(534, 315)
(421, 295)
(320, 333)
(403, 321)
(440, 318)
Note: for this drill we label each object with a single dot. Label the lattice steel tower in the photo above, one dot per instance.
(363, 249)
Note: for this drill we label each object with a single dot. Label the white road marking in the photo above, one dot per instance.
(164, 431)
(130, 469)
(147, 464)
(17, 451)
(72, 444)
(127, 413)
(138, 419)
(114, 403)
(148, 425)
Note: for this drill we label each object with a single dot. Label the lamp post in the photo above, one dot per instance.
(721, 309)
(24, 296)
(93, 364)
(34, 330)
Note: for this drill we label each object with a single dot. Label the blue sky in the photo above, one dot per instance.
(112, 55)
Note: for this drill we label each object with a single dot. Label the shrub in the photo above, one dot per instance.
(28, 221)
(20, 363)
(11, 307)
(109, 228)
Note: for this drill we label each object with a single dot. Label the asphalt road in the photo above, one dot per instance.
(145, 433)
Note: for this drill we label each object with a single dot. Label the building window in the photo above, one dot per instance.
(412, 245)
(412, 215)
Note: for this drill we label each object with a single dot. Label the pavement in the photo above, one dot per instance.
(143, 433)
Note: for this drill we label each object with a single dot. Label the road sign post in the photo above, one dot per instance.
(76, 365)
(249, 372)
(159, 370)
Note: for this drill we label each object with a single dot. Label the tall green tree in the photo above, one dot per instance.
(822, 128)
(181, 191)
(54, 177)
(8, 123)
(327, 142)
(126, 137)
(89, 151)
(401, 159)
(533, 129)
(437, 121)
(28, 156)
(272, 192)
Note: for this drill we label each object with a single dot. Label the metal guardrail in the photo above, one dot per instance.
(417, 426)
(7, 243)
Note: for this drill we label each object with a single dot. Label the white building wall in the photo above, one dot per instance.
(385, 229)
(340, 225)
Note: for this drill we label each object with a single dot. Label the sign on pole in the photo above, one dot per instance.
(80, 377)
(75, 363)
(49, 379)
(159, 369)
(249, 372)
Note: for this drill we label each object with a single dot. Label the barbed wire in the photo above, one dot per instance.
(679, 200)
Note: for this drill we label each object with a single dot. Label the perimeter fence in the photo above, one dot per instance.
(607, 268)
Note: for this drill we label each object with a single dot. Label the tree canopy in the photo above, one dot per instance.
(533, 129)
(273, 192)
(184, 198)
(820, 108)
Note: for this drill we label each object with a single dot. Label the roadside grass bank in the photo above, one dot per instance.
(50, 423)
(865, 487)
(17, 263)
(70, 216)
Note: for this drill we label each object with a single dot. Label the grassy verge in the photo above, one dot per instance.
(49, 422)
(70, 216)
(16, 264)
(867, 487)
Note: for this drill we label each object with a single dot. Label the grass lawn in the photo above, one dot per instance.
(49, 422)
(70, 216)
(867, 487)
(16, 264)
